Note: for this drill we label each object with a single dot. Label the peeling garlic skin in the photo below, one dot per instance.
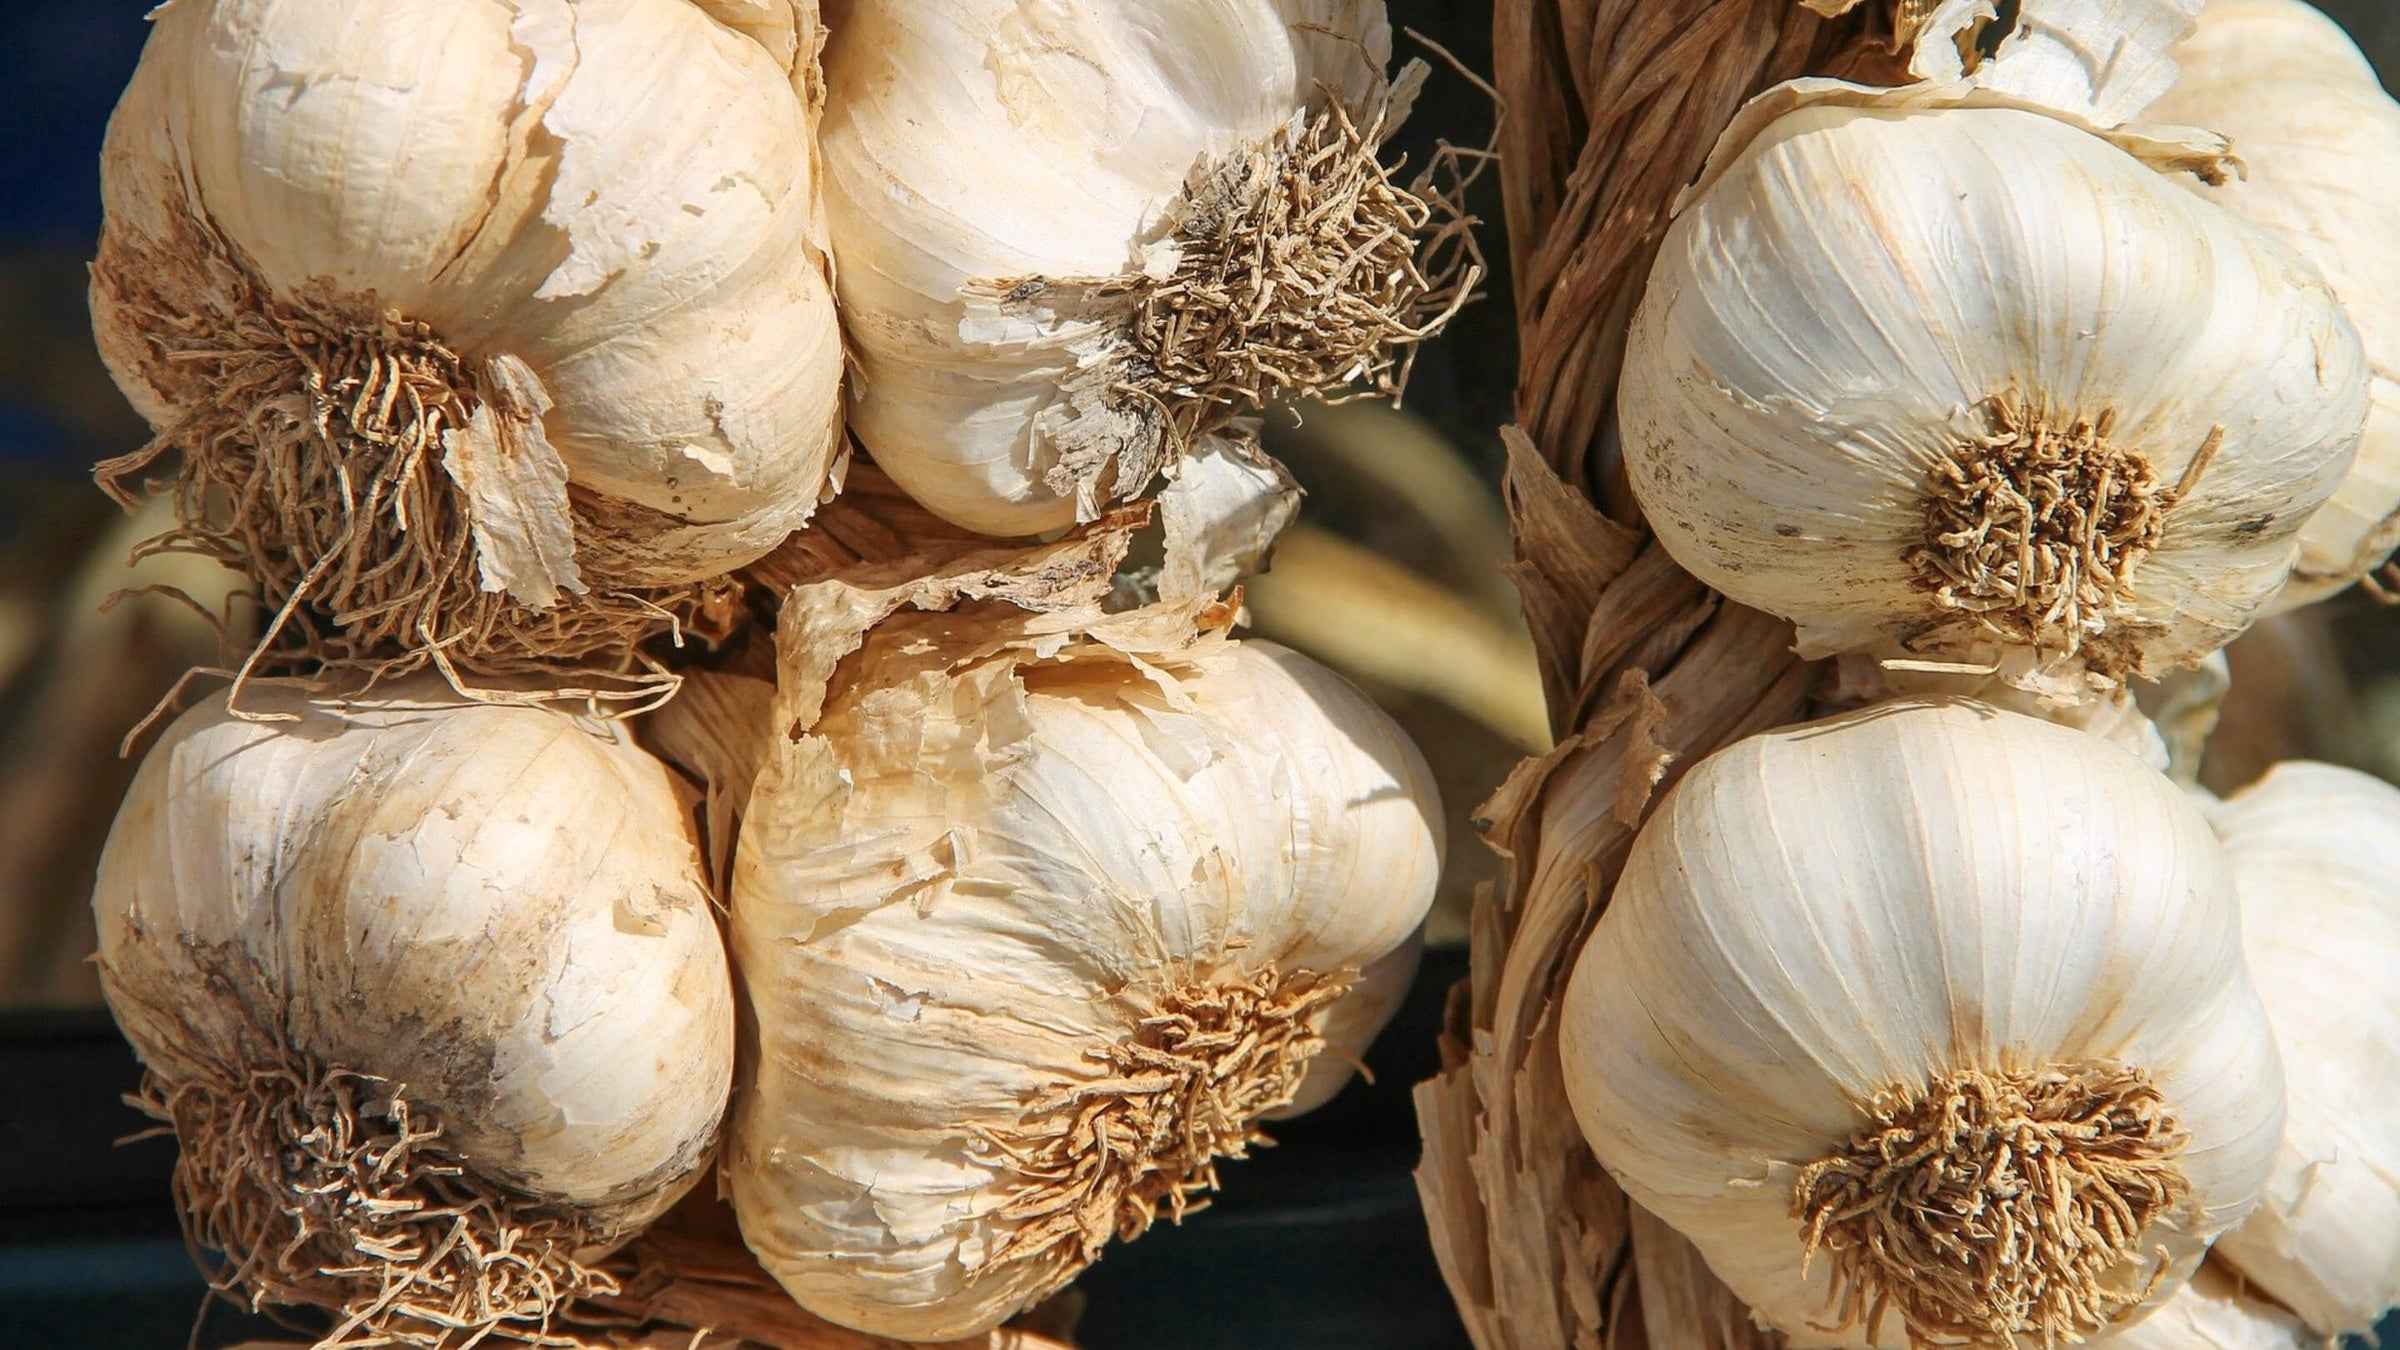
(408, 887)
(2215, 1312)
(617, 194)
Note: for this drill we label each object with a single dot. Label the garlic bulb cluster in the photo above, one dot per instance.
(1037, 928)
(1928, 1024)
(2214, 1312)
(1973, 383)
(495, 326)
(1076, 236)
(430, 992)
(2316, 860)
(2320, 142)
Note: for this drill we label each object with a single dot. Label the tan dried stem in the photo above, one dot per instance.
(1612, 109)
(1986, 1208)
(1304, 265)
(2037, 527)
(324, 1188)
(308, 436)
(1104, 1158)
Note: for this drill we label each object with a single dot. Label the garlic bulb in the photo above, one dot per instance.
(1974, 383)
(1927, 1025)
(430, 992)
(2321, 144)
(1076, 236)
(2316, 860)
(1035, 930)
(2214, 1312)
(493, 325)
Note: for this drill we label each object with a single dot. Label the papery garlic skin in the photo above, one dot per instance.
(584, 236)
(1002, 180)
(1876, 902)
(1870, 308)
(2214, 1312)
(1857, 679)
(2105, 61)
(964, 901)
(2315, 851)
(2319, 141)
(496, 911)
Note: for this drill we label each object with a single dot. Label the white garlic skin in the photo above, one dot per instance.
(1352, 1024)
(2319, 140)
(943, 910)
(1819, 913)
(1824, 322)
(2214, 1312)
(967, 144)
(2316, 860)
(499, 908)
(616, 192)
(2101, 60)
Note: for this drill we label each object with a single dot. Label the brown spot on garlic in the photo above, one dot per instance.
(328, 446)
(1986, 1206)
(2037, 526)
(335, 1192)
(1106, 1158)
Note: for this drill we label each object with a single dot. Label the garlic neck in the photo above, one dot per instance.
(2035, 529)
(1103, 1158)
(1986, 1207)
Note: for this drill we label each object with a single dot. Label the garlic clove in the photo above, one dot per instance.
(2320, 143)
(2315, 852)
(1879, 328)
(1036, 928)
(447, 969)
(1874, 936)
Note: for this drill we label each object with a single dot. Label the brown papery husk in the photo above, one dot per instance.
(319, 1187)
(315, 441)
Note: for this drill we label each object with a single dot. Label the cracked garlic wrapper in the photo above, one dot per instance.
(1077, 236)
(497, 326)
(1034, 931)
(1928, 1024)
(1976, 385)
(430, 993)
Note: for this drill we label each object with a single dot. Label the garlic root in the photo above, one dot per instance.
(1987, 1205)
